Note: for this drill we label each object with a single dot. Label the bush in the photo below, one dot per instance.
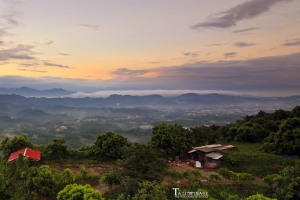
(258, 164)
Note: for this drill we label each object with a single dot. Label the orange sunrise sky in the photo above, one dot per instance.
(229, 45)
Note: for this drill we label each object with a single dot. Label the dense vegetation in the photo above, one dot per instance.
(141, 171)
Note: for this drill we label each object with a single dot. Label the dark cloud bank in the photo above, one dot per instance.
(230, 18)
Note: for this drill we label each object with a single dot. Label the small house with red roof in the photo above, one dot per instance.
(27, 153)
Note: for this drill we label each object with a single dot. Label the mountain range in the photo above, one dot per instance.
(118, 101)
(29, 92)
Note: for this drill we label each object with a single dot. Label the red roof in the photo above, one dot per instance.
(27, 152)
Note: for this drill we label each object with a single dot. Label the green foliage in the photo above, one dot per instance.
(259, 164)
(204, 135)
(65, 178)
(258, 197)
(8, 146)
(296, 112)
(174, 174)
(243, 133)
(110, 179)
(286, 140)
(55, 150)
(151, 191)
(214, 176)
(257, 127)
(286, 184)
(3, 188)
(108, 146)
(84, 152)
(172, 139)
(229, 196)
(281, 114)
(40, 181)
(79, 192)
(143, 162)
(83, 172)
(238, 178)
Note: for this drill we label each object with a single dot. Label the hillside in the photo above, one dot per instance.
(29, 92)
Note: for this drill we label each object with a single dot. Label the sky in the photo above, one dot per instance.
(194, 45)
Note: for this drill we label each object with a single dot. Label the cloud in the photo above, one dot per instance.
(29, 64)
(64, 54)
(229, 18)
(280, 74)
(246, 30)
(4, 32)
(55, 65)
(165, 93)
(33, 70)
(20, 52)
(216, 44)
(294, 42)
(154, 62)
(10, 19)
(10, 12)
(128, 72)
(191, 54)
(243, 44)
(91, 26)
(230, 54)
(49, 42)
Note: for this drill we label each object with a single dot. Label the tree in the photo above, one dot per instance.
(296, 111)
(172, 139)
(143, 162)
(246, 133)
(65, 178)
(286, 140)
(79, 192)
(258, 197)
(40, 181)
(3, 188)
(281, 114)
(286, 184)
(110, 179)
(8, 146)
(204, 135)
(151, 190)
(108, 146)
(56, 149)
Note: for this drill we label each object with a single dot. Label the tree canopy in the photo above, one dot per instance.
(109, 146)
(286, 140)
(143, 162)
(172, 139)
(286, 184)
(79, 192)
(8, 146)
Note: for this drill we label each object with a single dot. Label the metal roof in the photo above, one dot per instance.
(191, 151)
(27, 152)
(205, 149)
(227, 147)
(215, 156)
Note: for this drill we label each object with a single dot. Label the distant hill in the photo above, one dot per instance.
(39, 115)
(27, 113)
(29, 92)
(128, 101)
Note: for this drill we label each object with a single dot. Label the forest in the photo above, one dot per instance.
(265, 167)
